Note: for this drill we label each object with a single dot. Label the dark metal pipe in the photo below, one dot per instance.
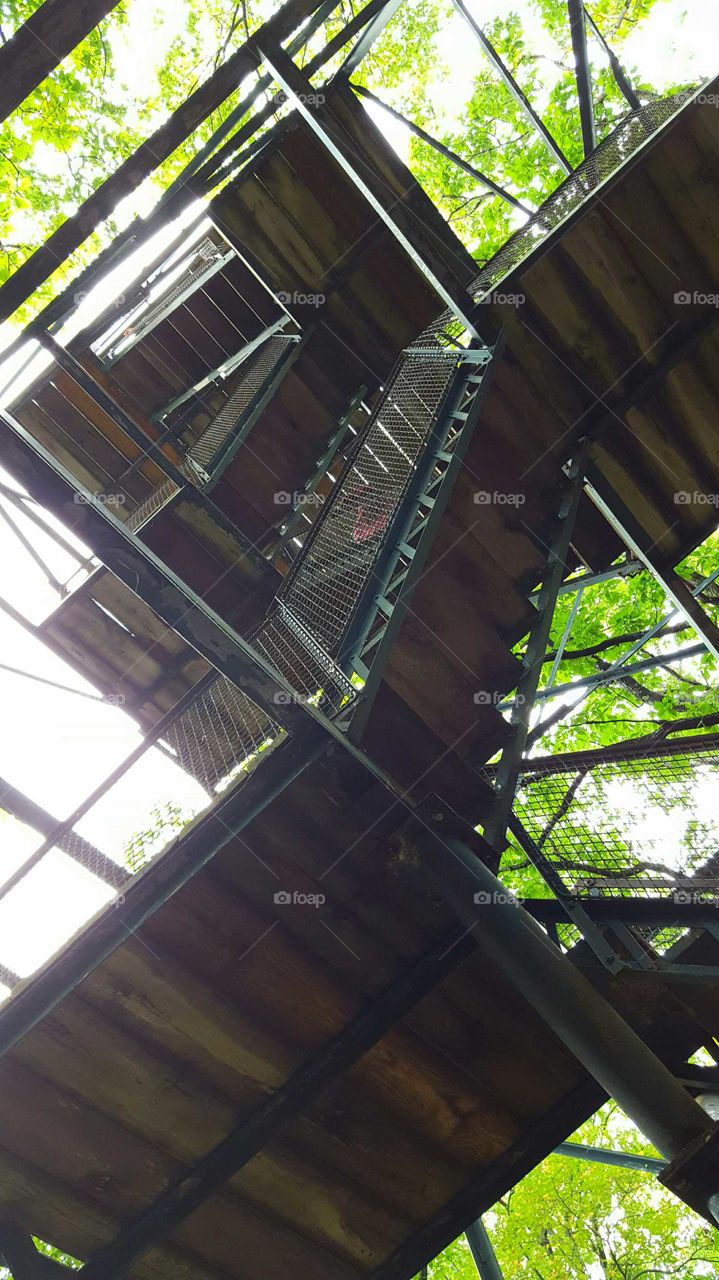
(582, 74)
(480, 1246)
(443, 150)
(621, 1159)
(585, 1022)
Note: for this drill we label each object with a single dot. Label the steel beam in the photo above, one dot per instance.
(518, 94)
(641, 545)
(623, 82)
(480, 1246)
(589, 1026)
(582, 75)
(361, 47)
(620, 1159)
(298, 89)
(77, 848)
(301, 1090)
(648, 913)
(444, 151)
(614, 673)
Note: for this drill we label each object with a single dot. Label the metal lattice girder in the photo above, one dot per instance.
(510, 764)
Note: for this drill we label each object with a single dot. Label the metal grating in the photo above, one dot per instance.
(258, 369)
(327, 580)
(295, 653)
(627, 824)
(613, 152)
(220, 734)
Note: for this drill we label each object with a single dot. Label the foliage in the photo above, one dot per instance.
(569, 1220)
(165, 821)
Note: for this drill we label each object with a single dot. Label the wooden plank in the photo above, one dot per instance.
(39, 45)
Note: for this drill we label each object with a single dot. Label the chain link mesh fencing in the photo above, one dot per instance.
(628, 822)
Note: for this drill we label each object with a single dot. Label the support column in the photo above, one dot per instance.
(584, 1021)
(480, 1245)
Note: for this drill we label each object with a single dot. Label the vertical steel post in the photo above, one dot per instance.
(480, 1246)
(510, 764)
(582, 73)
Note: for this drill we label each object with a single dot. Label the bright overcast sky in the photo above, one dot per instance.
(56, 746)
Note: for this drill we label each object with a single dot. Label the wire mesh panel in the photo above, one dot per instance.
(294, 652)
(628, 823)
(628, 136)
(326, 584)
(258, 370)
